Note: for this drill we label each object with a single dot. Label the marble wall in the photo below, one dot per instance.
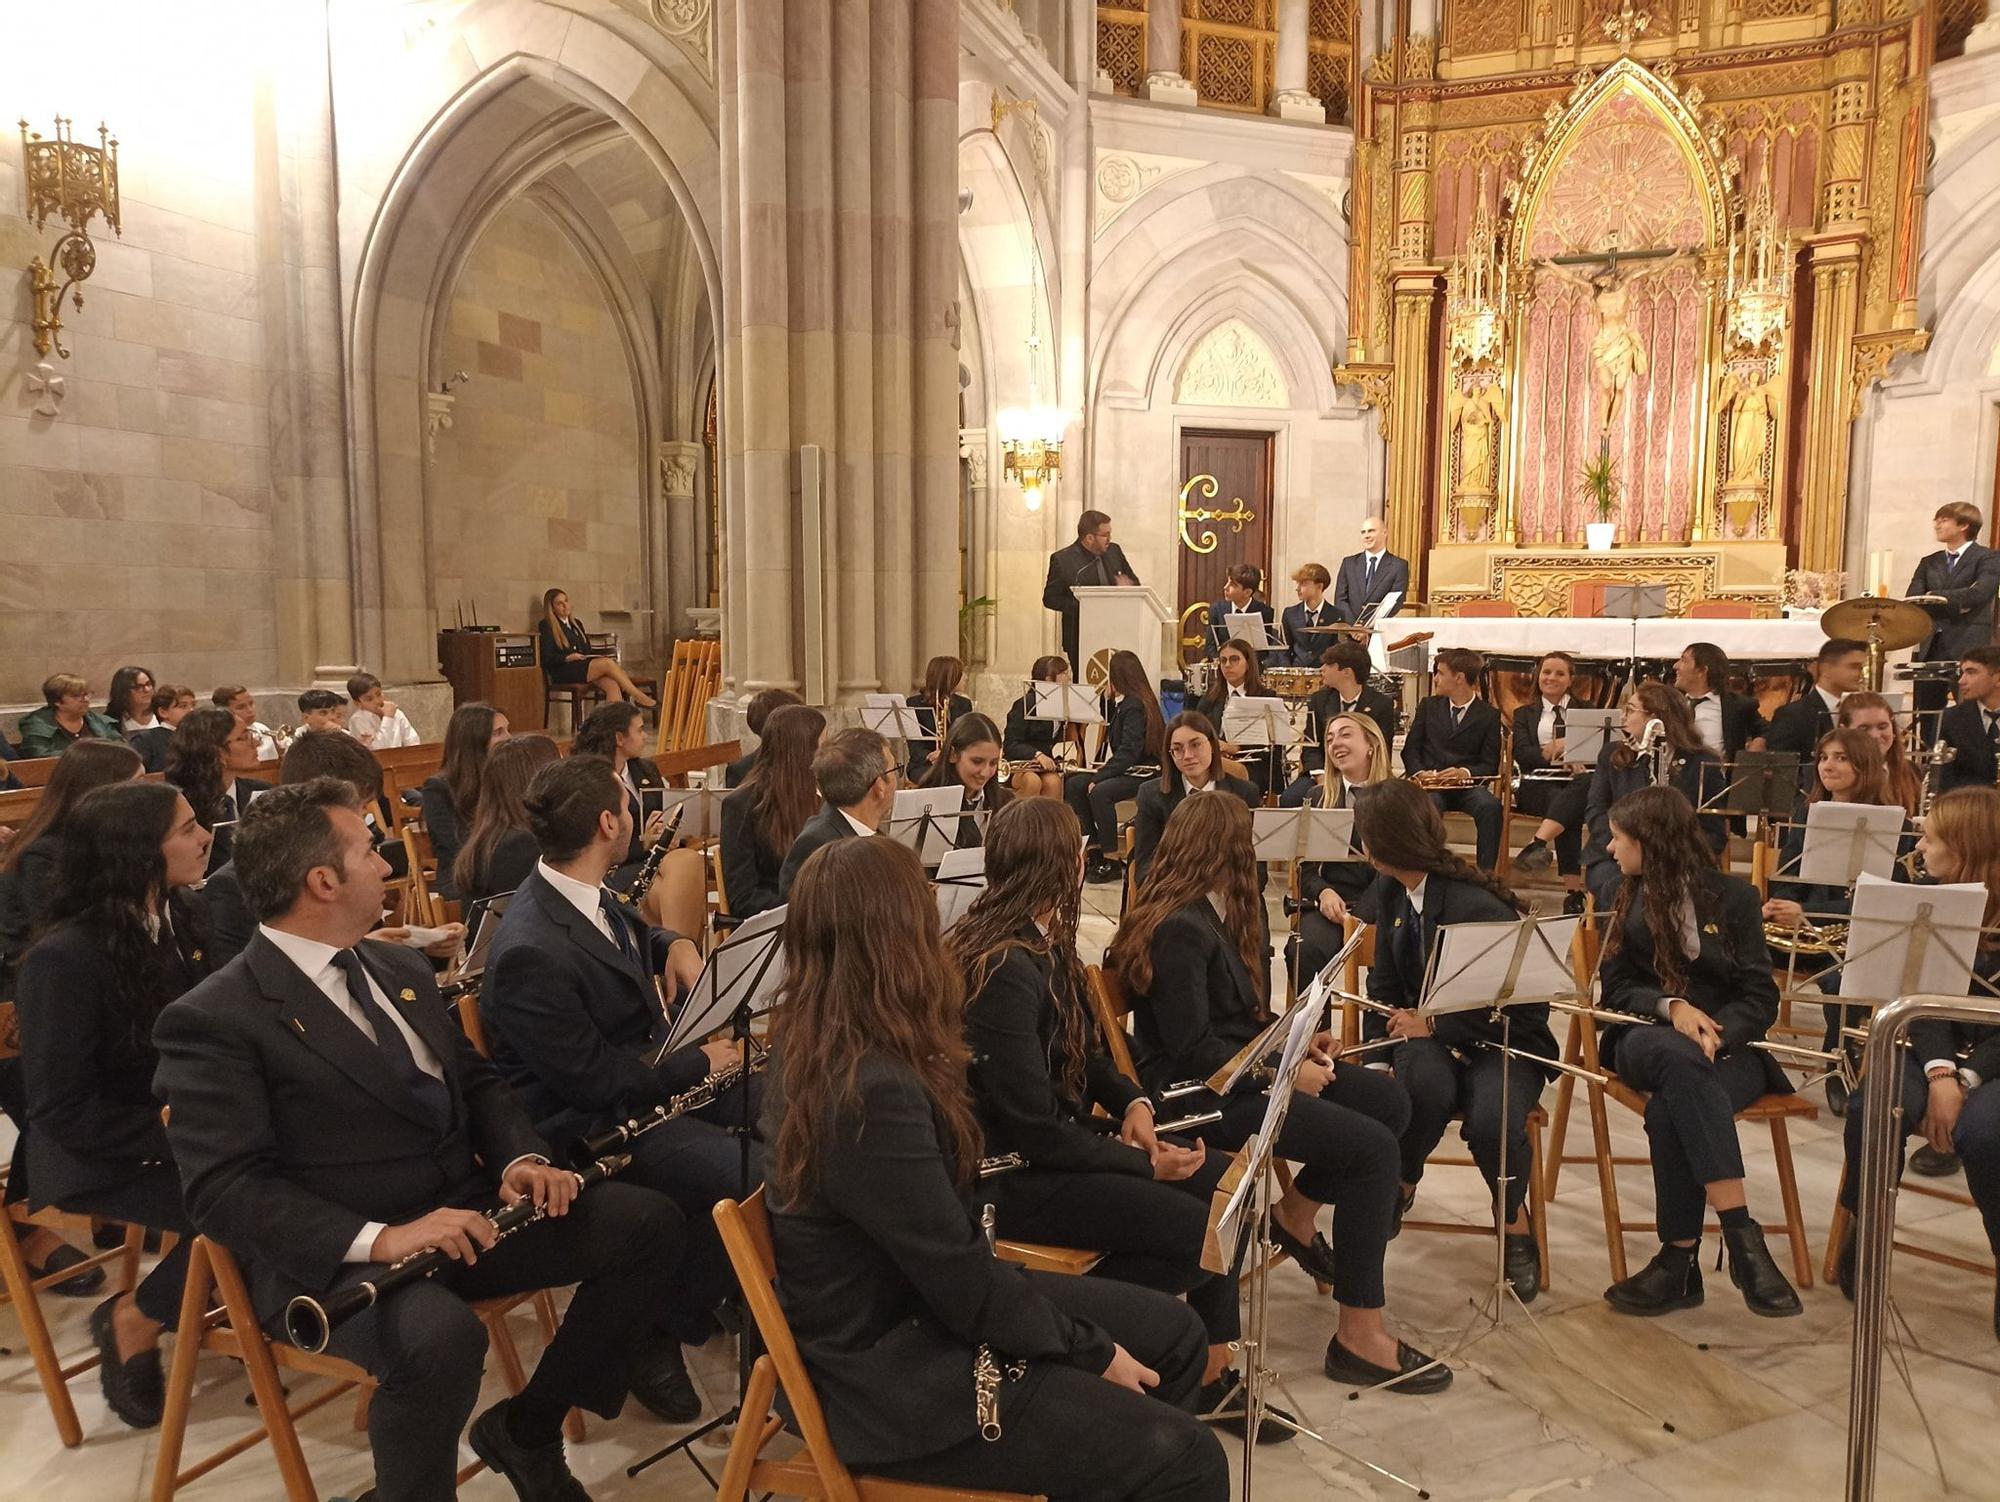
(541, 479)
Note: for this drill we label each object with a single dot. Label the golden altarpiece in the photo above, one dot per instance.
(1677, 240)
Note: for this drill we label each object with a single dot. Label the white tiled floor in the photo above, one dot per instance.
(1758, 1406)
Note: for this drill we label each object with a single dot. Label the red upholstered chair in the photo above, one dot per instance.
(1586, 598)
(1485, 607)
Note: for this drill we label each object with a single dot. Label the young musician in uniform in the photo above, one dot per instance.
(756, 715)
(1093, 559)
(1957, 585)
(1329, 891)
(1948, 1071)
(1106, 1183)
(938, 704)
(1194, 764)
(764, 815)
(1238, 676)
(1451, 1065)
(575, 1023)
(887, 1283)
(1872, 713)
(1971, 727)
(1030, 744)
(123, 941)
(972, 760)
(1367, 577)
(1457, 729)
(213, 759)
(1837, 671)
(1310, 581)
(1134, 736)
(678, 896)
(568, 657)
(1728, 723)
(450, 797)
(1541, 732)
(1623, 769)
(499, 852)
(1239, 597)
(855, 771)
(1343, 689)
(329, 1118)
(1685, 949)
(1195, 960)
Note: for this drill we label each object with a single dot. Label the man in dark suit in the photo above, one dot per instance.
(1729, 723)
(1957, 585)
(1344, 689)
(856, 773)
(574, 1023)
(1971, 727)
(755, 716)
(1838, 670)
(329, 1118)
(1311, 582)
(1092, 559)
(1454, 727)
(1239, 597)
(1369, 575)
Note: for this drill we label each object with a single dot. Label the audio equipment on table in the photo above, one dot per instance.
(643, 882)
(704, 1092)
(1806, 938)
(1442, 779)
(310, 1322)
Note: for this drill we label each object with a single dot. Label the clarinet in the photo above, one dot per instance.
(704, 1093)
(310, 1322)
(651, 868)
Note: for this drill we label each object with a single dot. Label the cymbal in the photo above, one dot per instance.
(1897, 623)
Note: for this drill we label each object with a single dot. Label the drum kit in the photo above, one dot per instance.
(1885, 625)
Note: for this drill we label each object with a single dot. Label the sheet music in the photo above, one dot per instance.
(1847, 840)
(485, 924)
(1064, 704)
(961, 877)
(1253, 631)
(1894, 949)
(1257, 722)
(1302, 1021)
(1585, 733)
(1482, 965)
(891, 717)
(931, 839)
(701, 810)
(1305, 834)
(745, 967)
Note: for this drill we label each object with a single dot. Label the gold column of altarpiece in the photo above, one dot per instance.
(1802, 124)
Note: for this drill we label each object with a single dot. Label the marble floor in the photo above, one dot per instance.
(1574, 1403)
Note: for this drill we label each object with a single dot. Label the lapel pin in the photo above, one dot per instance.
(407, 994)
(1710, 928)
(300, 1026)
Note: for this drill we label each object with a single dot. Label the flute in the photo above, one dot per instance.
(310, 1322)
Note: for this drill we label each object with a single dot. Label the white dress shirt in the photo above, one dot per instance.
(1707, 710)
(380, 734)
(1416, 895)
(855, 824)
(581, 895)
(1545, 727)
(1832, 700)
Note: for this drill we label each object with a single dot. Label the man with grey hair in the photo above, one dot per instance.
(1368, 576)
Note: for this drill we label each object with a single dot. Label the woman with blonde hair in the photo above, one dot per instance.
(1357, 759)
(1874, 714)
(568, 657)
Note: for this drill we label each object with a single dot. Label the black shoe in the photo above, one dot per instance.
(661, 1384)
(1573, 904)
(82, 1286)
(1534, 855)
(1933, 1164)
(1420, 1373)
(1315, 1260)
(1102, 871)
(538, 1475)
(1524, 1266)
(1224, 1403)
(134, 1389)
(1836, 1095)
(1403, 1203)
(1672, 1280)
(1844, 1265)
(1766, 1290)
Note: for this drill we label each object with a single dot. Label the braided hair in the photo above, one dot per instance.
(1401, 829)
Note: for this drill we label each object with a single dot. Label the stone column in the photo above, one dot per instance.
(1835, 261)
(839, 183)
(1292, 99)
(1165, 83)
(1412, 406)
(677, 555)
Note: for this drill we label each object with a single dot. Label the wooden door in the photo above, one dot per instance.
(1240, 465)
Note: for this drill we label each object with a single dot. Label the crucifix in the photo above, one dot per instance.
(1617, 354)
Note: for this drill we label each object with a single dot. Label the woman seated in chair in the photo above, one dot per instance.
(677, 900)
(213, 760)
(1624, 768)
(450, 797)
(1685, 950)
(1039, 1066)
(1947, 1072)
(1135, 737)
(1357, 760)
(763, 816)
(123, 942)
(1238, 676)
(939, 705)
(1195, 960)
(886, 1280)
(500, 851)
(1030, 744)
(1848, 768)
(1193, 765)
(1451, 1064)
(568, 657)
(1874, 714)
(972, 760)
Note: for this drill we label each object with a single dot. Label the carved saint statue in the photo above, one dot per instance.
(1475, 417)
(1617, 353)
(1750, 407)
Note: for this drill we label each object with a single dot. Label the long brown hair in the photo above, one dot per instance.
(503, 807)
(1871, 773)
(780, 783)
(1400, 827)
(1905, 786)
(1128, 678)
(1253, 676)
(1033, 867)
(84, 765)
(1663, 823)
(942, 676)
(1206, 848)
(1171, 780)
(967, 731)
(467, 741)
(557, 627)
(866, 972)
(1968, 821)
(198, 761)
(1667, 705)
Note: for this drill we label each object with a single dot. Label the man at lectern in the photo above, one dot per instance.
(1092, 559)
(1368, 576)
(1957, 585)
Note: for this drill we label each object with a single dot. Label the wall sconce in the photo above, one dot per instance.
(1031, 440)
(76, 183)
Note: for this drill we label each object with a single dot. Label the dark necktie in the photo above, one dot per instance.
(1561, 727)
(1951, 562)
(1413, 944)
(429, 1092)
(1368, 574)
(1993, 729)
(621, 933)
(1458, 715)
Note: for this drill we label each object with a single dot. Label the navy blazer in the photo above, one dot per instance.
(1965, 620)
(1025, 738)
(1972, 764)
(1797, 726)
(823, 828)
(1157, 804)
(1302, 650)
(1325, 704)
(1609, 783)
(572, 1021)
(1351, 593)
(1434, 743)
(1126, 738)
(1203, 1005)
(292, 1131)
(1219, 635)
(750, 868)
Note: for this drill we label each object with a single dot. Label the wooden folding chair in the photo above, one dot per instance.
(1538, 1219)
(421, 904)
(694, 678)
(1837, 1232)
(817, 1472)
(217, 1315)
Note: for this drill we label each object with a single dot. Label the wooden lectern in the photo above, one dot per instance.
(493, 667)
(1121, 618)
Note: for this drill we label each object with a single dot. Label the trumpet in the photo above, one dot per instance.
(1828, 939)
(1443, 779)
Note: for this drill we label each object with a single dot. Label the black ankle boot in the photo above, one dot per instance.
(1672, 1280)
(1766, 1290)
(1843, 1268)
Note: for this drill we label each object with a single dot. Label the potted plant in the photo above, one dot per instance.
(1598, 484)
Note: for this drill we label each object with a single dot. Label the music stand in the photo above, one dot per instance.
(894, 718)
(920, 816)
(961, 877)
(1903, 940)
(1763, 785)
(1844, 841)
(1303, 834)
(1586, 733)
(1256, 633)
(701, 809)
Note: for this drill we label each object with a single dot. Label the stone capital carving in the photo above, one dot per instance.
(437, 419)
(1232, 367)
(972, 449)
(680, 463)
(686, 23)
